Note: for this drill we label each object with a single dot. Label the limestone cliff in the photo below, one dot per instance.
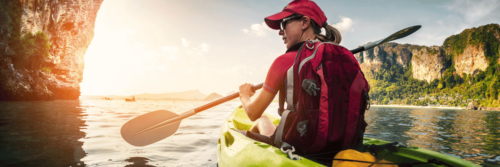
(388, 54)
(404, 57)
(428, 63)
(372, 58)
(471, 61)
(65, 27)
(469, 52)
(474, 49)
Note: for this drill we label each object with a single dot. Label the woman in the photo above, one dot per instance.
(298, 22)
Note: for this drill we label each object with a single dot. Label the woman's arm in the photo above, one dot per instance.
(255, 108)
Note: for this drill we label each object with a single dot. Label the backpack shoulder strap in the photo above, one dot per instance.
(281, 98)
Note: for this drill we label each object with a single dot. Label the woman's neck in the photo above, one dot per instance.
(308, 35)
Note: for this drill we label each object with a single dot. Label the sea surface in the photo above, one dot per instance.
(87, 133)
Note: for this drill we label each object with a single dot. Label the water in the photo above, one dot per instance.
(87, 133)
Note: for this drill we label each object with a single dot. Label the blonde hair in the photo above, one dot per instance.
(331, 33)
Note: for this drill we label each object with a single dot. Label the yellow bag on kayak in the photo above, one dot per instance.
(358, 156)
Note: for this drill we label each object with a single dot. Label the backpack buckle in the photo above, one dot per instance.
(309, 42)
(302, 127)
(289, 149)
(310, 87)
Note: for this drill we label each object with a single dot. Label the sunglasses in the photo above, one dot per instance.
(285, 20)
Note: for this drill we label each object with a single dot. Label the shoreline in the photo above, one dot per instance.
(408, 106)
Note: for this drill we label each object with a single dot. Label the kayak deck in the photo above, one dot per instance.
(235, 149)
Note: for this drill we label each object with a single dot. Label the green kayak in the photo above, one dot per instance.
(235, 149)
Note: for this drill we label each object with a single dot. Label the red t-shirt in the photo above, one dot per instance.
(276, 75)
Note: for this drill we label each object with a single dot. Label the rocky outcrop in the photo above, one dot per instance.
(389, 54)
(471, 61)
(404, 56)
(471, 106)
(428, 63)
(69, 27)
(375, 58)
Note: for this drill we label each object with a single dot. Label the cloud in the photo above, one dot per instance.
(205, 47)
(185, 42)
(475, 10)
(199, 51)
(344, 26)
(259, 30)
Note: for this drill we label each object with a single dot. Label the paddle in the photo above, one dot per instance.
(157, 125)
(398, 35)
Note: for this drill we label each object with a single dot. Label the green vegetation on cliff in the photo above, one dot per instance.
(393, 84)
(27, 51)
(31, 49)
(486, 36)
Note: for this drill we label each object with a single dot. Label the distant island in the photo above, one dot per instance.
(212, 97)
(185, 95)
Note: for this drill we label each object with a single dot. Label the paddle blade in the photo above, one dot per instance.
(131, 130)
(398, 35)
(402, 33)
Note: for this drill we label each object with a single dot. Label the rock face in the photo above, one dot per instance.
(471, 106)
(404, 57)
(471, 61)
(388, 54)
(376, 57)
(69, 26)
(428, 63)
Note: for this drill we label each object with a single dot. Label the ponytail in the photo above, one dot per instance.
(331, 33)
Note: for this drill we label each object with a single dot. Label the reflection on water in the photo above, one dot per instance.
(87, 133)
(41, 133)
(471, 135)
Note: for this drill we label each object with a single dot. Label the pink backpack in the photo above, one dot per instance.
(326, 95)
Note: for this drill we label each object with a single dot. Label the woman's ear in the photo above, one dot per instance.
(306, 21)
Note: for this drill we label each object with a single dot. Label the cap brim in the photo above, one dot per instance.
(273, 21)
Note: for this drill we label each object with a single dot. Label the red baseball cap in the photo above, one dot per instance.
(303, 7)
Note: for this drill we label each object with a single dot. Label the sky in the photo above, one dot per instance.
(161, 46)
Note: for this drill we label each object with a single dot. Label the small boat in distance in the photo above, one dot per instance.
(130, 99)
(107, 98)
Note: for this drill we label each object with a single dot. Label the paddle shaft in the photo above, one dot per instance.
(223, 100)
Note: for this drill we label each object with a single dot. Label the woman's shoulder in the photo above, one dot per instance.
(284, 61)
(287, 56)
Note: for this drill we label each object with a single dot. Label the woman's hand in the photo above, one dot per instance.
(246, 90)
